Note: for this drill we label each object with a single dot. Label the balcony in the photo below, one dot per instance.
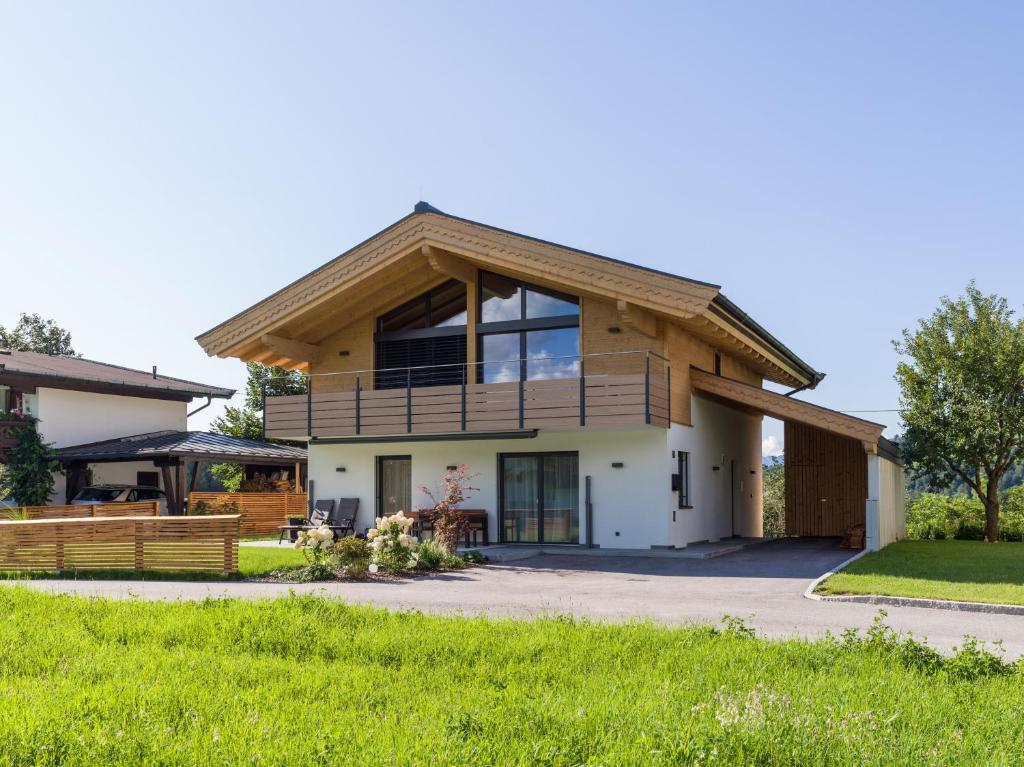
(629, 389)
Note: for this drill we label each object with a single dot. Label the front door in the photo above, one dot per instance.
(540, 498)
(394, 484)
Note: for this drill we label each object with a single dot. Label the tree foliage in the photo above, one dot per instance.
(247, 421)
(31, 465)
(773, 479)
(962, 396)
(34, 334)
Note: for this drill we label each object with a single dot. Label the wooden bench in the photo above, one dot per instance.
(208, 543)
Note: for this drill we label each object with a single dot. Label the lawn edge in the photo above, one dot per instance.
(993, 608)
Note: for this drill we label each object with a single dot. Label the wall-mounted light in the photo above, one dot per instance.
(344, 353)
(614, 329)
(617, 464)
(451, 467)
(340, 468)
(716, 468)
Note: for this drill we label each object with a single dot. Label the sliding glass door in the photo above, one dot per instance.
(540, 497)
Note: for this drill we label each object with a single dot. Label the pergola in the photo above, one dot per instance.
(174, 450)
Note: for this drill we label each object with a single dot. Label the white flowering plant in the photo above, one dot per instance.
(393, 549)
(316, 544)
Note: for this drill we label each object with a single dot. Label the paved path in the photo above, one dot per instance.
(763, 585)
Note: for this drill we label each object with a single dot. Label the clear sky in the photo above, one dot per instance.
(836, 167)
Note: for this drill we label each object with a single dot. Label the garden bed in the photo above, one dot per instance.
(965, 571)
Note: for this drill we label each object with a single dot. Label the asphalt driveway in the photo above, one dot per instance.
(763, 584)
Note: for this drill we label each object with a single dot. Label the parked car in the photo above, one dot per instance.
(121, 494)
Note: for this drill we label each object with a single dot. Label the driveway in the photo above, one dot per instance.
(763, 584)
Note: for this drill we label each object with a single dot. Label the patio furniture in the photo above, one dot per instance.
(476, 530)
(344, 518)
(321, 513)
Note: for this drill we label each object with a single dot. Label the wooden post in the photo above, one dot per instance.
(140, 563)
(298, 477)
(179, 486)
(165, 473)
(194, 482)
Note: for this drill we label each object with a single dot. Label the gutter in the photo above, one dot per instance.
(752, 326)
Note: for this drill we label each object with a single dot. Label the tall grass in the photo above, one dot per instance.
(307, 681)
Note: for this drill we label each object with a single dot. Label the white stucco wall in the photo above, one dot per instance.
(633, 506)
(885, 513)
(727, 501)
(73, 418)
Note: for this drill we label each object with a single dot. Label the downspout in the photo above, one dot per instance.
(209, 400)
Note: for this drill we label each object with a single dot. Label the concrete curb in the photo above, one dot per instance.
(878, 599)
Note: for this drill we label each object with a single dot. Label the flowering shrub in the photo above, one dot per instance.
(449, 525)
(316, 544)
(393, 549)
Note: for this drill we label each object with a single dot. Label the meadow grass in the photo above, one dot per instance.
(970, 571)
(309, 681)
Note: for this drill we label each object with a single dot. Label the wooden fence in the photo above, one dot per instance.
(208, 543)
(140, 509)
(261, 513)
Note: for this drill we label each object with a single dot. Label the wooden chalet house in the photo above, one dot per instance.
(599, 402)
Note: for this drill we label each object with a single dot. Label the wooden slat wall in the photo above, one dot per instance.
(261, 513)
(121, 543)
(143, 508)
(611, 400)
(826, 482)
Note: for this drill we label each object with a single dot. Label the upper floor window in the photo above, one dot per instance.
(503, 299)
(442, 307)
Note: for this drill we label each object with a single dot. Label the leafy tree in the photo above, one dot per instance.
(5, 482)
(31, 465)
(962, 396)
(34, 334)
(773, 483)
(247, 421)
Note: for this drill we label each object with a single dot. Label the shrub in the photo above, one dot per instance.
(393, 548)
(351, 555)
(315, 544)
(31, 465)
(430, 556)
(936, 516)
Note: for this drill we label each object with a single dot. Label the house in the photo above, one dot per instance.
(598, 402)
(115, 425)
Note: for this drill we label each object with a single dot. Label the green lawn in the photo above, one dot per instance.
(253, 561)
(971, 571)
(306, 681)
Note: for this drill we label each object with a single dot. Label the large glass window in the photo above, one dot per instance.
(526, 332)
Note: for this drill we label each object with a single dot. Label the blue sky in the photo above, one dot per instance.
(836, 167)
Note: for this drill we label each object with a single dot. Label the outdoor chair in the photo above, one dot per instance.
(344, 518)
(322, 511)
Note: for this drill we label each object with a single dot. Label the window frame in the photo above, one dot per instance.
(522, 326)
(425, 332)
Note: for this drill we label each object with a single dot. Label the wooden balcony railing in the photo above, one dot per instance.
(614, 397)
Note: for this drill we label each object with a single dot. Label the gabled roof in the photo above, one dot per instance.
(89, 375)
(191, 445)
(697, 305)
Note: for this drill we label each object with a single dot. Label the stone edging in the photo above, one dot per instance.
(877, 599)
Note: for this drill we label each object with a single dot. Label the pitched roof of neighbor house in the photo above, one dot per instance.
(374, 269)
(191, 445)
(89, 375)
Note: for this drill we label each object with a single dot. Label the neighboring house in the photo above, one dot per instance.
(599, 402)
(80, 401)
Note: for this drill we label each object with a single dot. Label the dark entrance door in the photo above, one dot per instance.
(539, 497)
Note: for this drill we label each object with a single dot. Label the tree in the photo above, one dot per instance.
(5, 482)
(773, 482)
(34, 334)
(962, 396)
(31, 465)
(247, 421)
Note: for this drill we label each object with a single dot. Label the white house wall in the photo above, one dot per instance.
(728, 500)
(629, 504)
(885, 512)
(69, 417)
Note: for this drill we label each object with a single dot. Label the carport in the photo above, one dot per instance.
(840, 471)
(172, 451)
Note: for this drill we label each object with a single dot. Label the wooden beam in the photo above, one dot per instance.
(179, 487)
(165, 472)
(447, 264)
(299, 351)
(637, 318)
(194, 482)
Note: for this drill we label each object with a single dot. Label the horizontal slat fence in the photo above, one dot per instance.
(607, 400)
(261, 513)
(74, 511)
(141, 543)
